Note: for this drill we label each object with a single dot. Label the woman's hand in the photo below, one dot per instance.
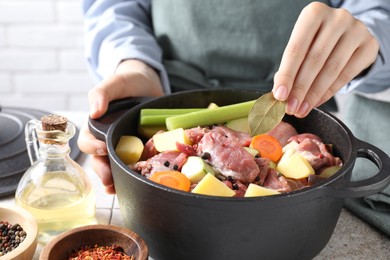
(328, 47)
(132, 78)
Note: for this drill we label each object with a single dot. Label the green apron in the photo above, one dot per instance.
(225, 43)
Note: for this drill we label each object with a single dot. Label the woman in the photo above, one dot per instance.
(304, 51)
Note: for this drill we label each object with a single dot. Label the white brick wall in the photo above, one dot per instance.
(41, 55)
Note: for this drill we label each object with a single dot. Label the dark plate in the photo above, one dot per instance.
(14, 159)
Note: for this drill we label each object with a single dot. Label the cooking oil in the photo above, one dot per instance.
(55, 189)
(58, 204)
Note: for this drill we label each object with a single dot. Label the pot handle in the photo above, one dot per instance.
(99, 127)
(369, 186)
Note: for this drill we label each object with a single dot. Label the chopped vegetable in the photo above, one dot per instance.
(172, 179)
(252, 151)
(210, 185)
(129, 149)
(239, 124)
(254, 190)
(157, 116)
(153, 120)
(329, 172)
(209, 116)
(212, 105)
(268, 146)
(295, 166)
(291, 145)
(167, 111)
(272, 165)
(204, 150)
(195, 169)
(166, 141)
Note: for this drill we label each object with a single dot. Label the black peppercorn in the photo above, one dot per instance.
(231, 179)
(206, 156)
(11, 237)
(14, 227)
(175, 167)
(166, 163)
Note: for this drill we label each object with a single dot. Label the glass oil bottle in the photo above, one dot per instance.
(55, 189)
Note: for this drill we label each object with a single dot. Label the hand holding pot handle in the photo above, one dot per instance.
(132, 78)
(99, 127)
(369, 186)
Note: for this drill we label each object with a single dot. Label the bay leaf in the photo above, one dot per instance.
(265, 114)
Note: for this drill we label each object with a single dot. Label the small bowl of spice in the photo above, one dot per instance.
(18, 233)
(96, 242)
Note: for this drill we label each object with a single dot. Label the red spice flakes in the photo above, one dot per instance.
(96, 252)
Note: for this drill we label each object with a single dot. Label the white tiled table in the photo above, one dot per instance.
(352, 238)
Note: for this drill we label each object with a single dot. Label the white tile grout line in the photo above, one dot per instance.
(112, 210)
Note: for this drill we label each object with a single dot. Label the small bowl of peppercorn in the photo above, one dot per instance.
(96, 242)
(18, 233)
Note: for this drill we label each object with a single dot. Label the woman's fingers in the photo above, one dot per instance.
(101, 165)
(98, 99)
(350, 70)
(89, 144)
(320, 53)
(353, 53)
(326, 63)
(338, 67)
(295, 52)
(132, 78)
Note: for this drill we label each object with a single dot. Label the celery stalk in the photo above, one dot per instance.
(209, 116)
(167, 111)
(157, 116)
(153, 120)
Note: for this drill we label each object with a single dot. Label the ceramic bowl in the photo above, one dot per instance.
(101, 235)
(17, 215)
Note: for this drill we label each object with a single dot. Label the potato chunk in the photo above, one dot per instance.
(210, 185)
(166, 141)
(254, 190)
(129, 149)
(330, 171)
(293, 165)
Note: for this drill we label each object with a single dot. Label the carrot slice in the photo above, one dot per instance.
(172, 179)
(268, 146)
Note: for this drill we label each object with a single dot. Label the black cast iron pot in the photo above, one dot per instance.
(180, 225)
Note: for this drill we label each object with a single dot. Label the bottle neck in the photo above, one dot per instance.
(54, 150)
(42, 143)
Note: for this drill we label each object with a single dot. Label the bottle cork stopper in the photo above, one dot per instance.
(54, 122)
